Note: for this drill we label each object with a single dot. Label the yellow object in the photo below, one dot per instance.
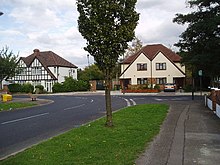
(6, 97)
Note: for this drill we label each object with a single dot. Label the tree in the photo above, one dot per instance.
(8, 63)
(107, 26)
(200, 42)
(91, 72)
(135, 46)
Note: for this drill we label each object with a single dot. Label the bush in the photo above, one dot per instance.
(27, 88)
(157, 87)
(14, 88)
(71, 85)
(57, 87)
(39, 88)
(188, 88)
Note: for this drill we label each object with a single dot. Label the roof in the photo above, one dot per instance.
(47, 59)
(151, 51)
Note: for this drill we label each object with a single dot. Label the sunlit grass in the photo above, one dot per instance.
(95, 144)
(14, 105)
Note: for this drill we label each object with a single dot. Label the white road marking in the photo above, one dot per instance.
(133, 102)
(91, 101)
(128, 102)
(74, 107)
(25, 118)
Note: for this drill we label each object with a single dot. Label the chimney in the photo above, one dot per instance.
(36, 50)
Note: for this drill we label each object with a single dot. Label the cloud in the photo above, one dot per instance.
(52, 25)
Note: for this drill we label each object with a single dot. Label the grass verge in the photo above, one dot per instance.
(14, 105)
(95, 144)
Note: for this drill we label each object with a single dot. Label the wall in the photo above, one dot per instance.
(213, 101)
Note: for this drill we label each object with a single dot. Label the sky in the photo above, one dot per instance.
(51, 25)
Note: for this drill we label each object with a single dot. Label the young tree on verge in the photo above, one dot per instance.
(200, 43)
(8, 63)
(107, 26)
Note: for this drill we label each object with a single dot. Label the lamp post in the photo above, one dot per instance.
(1, 13)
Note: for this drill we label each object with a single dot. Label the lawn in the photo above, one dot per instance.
(95, 144)
(14, 105)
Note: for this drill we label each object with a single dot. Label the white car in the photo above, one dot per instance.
(169, 87)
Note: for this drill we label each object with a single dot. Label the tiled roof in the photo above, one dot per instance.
(47, 59)
(151, 51)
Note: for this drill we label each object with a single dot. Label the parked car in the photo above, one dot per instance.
(169, 87)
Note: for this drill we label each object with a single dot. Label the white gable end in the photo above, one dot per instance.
(132, 71)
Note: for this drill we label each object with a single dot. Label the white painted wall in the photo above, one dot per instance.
(218, 110)
(209, 103)
(62, 72)
(170, 73)
(171, 70)
(132, 72)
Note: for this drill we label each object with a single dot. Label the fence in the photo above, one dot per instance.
(212, 101)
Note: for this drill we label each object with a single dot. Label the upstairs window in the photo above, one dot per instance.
(142, 66)
(161, 66)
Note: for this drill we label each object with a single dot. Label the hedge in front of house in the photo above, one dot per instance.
(25, 88)
(71, 85)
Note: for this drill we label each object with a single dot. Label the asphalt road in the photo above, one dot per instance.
(20, 129)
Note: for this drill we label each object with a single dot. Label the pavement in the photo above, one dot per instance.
(190, 135)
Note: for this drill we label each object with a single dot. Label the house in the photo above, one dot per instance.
(153, 64)
(43, 68)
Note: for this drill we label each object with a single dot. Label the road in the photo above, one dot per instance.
(23, 128)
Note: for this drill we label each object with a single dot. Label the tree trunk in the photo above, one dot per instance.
(109, 122)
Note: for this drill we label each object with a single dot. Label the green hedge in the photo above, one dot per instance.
(25, 88)
(71, 85)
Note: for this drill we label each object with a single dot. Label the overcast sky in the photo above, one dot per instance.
(52, 25)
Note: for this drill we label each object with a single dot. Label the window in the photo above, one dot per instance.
(161, 66)
(142, 66)
(161, 80)
(141, 80)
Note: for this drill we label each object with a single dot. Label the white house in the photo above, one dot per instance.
(153, 64)
(43, 68)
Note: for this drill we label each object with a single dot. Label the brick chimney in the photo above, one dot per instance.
(36, 50)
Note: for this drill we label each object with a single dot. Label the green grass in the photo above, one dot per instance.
(14, 105)
(95, 144)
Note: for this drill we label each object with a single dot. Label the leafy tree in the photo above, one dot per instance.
(107, 26)
(91, 72)
(8, 63)
(199, 43)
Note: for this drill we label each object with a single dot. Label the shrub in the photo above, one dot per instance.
(71, 85)
(157, 87)
(27, 88)
(57, 87)
(13, 88)
(188, 88)
(40, 88)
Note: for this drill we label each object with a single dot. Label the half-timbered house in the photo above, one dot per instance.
(44, 68)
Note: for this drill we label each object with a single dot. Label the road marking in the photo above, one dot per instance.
(74, 107)
(133, 102)
(91, 100)
(25, 118)
(128, 102)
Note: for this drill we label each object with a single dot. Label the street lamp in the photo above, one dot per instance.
(1, 13)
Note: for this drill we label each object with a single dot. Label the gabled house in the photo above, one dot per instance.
(43, 68)
(153, 64)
